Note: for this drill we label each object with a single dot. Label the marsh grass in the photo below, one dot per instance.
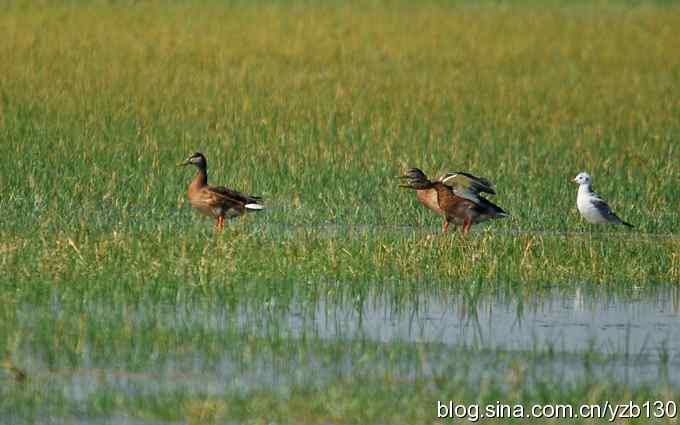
(318, 108)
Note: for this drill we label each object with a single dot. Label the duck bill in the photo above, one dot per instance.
(183, 163)
(406, 185)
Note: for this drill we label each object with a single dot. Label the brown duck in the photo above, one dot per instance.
(455, 196)
(217, 201)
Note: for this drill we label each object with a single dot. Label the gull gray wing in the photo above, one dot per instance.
(604, 210)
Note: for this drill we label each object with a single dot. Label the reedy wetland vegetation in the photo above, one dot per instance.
(318, 108)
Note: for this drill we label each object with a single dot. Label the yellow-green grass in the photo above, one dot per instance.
(319, 108)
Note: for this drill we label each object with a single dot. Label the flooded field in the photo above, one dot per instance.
(341, 302)
(561, 337)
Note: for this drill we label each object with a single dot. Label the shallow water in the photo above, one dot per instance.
(568, 321)
(637, 331)
(555, 335)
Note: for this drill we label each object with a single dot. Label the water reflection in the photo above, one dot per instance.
(557, 336)
(573, 320)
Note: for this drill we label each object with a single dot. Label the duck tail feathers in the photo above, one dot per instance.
(493, 209)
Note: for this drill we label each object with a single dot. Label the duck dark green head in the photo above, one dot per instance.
(197, 159)
(415, 179)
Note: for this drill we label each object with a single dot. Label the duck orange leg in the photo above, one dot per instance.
(467, 223)
(219, 224)
(445, 226)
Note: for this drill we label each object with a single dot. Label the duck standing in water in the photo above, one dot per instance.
(455, 196)
(217, 201)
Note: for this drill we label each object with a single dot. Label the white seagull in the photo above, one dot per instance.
(593, 208)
